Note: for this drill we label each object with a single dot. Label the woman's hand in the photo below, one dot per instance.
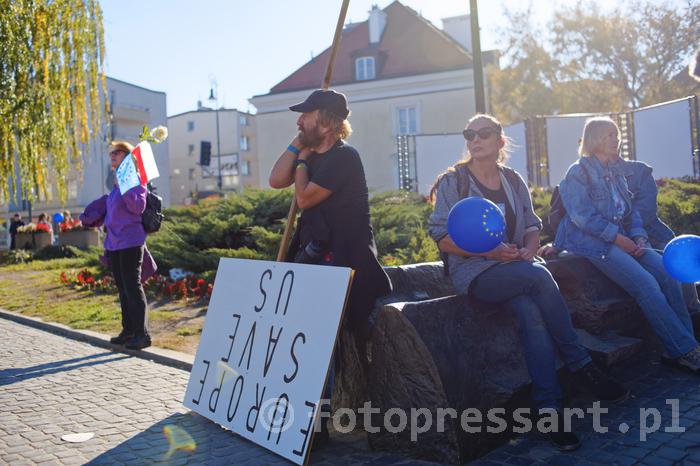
(629, 246)
(503, 253)
(547, 250)
(526, 254)
(642, 244)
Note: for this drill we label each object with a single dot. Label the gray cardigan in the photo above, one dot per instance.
(464, 270)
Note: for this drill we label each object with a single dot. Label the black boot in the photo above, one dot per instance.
(600, 384)
(562, 439)
(139, 342)
(122, 338)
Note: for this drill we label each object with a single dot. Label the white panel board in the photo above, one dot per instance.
(518, 156)
(434, 154)
(563, 134)
(265, 350)
(662, 139)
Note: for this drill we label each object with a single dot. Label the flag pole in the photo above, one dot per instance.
(292, 215)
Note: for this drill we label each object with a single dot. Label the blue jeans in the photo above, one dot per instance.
(528, 290)
(657, 294)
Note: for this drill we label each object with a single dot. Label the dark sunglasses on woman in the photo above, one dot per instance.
(483, 133)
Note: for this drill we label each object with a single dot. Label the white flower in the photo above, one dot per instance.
(159, 134)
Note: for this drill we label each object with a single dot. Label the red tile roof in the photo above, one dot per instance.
(410, 45)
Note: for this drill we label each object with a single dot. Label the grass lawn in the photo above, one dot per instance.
(35, 289)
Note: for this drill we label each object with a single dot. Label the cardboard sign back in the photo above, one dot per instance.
(265, 350)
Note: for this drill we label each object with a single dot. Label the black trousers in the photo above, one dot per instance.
(126, 267)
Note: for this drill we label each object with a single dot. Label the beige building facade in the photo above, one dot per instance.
(402, 75)
(237, 152)
(380, 111)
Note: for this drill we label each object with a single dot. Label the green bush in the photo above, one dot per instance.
(250, 224)
(56, 252)
(16, 256)
(400, 226)
(679, 205)
(247, 225)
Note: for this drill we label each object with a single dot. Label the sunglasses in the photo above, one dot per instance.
(483, 133)
(117, 151)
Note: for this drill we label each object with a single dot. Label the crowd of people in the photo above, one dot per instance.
(43, 223)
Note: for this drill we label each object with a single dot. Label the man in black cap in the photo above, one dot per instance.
(330, 187)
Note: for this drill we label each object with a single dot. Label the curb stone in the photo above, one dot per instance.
(158, 355)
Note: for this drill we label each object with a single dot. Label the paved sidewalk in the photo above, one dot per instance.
(655, 388)
(51, 385)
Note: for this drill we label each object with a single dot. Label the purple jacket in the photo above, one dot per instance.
(124, 227)
(123, 218)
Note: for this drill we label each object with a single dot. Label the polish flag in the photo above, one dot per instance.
(145, 163)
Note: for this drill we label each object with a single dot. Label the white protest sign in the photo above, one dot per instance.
(265, 350)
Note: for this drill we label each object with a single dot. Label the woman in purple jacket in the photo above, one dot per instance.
(124, 247)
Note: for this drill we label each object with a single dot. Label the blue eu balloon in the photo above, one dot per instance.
(476, 224)
(58, 217)
(682, 258)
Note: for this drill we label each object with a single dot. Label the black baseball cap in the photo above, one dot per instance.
(329, 100)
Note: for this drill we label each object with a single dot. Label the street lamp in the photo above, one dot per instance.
(214, 98)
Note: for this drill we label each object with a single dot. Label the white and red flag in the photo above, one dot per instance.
(145, 162)
(137, 168)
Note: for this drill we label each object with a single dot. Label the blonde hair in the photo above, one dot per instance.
(122, 145)
(593, 134)
(503, 152)
(339, 126)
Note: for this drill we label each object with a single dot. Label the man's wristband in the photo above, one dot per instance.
(293, 150)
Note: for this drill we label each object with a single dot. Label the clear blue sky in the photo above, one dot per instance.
(175, 46)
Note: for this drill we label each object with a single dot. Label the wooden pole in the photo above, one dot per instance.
(292, 215)
(477, 66)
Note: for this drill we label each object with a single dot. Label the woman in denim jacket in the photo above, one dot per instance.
(643, 189)
(509, 276)
(602, 225)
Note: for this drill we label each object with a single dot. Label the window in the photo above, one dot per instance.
(364, 68)
(190, 150)
(407, 120)
(244, 143)
(72, 189)
(245, 168)
(243, 120)
(190, 126)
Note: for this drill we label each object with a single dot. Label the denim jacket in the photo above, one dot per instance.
(643, 188)
(591, 222)
(463, 270)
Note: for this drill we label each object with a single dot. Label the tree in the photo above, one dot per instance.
(51, 72)
(594, 62)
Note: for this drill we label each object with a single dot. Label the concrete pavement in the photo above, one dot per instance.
(51, 385)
